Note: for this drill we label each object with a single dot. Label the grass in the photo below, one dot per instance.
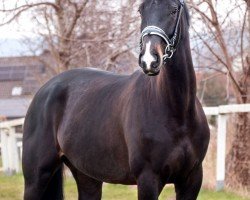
(11, 188)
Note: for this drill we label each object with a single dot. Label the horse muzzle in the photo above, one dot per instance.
(151, 56)
(151, 72)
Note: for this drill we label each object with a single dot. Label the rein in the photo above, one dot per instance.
(171, 44)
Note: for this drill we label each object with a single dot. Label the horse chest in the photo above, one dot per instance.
(166, 152)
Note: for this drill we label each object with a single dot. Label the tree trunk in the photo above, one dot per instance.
(238, 159)
(248, 8)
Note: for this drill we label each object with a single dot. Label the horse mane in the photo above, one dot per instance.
(186, 11)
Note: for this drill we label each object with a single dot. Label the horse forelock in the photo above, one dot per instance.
(186, 11)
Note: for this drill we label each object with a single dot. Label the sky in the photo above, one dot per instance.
(12, 34)
(15, 30)
(24, 27)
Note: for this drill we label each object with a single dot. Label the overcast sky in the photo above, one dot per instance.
(24, 27)
(15, 30)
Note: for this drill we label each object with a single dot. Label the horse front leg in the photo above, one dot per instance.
(149, 186)
(88, 188)
(189, 189)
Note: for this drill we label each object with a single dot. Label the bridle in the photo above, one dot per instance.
(171, 44)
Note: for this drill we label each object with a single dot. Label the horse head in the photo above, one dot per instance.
(161, 29)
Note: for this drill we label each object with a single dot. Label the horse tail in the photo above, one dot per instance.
(54, 189)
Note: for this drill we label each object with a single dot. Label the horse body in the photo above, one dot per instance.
(126, 129)
(112, 128)
(106, 136)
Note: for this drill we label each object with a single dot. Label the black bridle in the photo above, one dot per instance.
(171, 44)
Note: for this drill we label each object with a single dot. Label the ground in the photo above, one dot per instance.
(11, 188)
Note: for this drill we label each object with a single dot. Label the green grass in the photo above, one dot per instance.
(11, 188)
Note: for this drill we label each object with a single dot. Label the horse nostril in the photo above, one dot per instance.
(155, 64)
(143, 64)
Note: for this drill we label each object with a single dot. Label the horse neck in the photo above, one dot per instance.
(176, 83)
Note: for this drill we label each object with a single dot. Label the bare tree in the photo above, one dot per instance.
(222, 42)
(111, 38)
(58, 18)
(82, 33)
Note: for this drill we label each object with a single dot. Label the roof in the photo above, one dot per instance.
(20, 73)
(17, 61)
(14, 108)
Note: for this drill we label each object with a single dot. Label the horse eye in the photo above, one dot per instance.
(141, 8)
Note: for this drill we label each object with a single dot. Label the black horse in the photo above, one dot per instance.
(137, 129)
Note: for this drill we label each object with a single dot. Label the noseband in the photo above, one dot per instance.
(171, 44)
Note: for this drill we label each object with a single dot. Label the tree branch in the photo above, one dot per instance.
(19, 10)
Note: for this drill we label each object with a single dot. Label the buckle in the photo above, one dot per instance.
(169, 52)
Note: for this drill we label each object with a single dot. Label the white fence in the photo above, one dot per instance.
(11, 146)
(222, 112)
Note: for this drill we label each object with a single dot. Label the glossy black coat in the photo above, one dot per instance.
(133, 129)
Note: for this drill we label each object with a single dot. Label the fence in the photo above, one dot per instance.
(222, 112)
(11, 145)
